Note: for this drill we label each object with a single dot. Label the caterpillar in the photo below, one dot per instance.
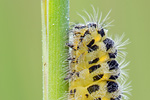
(94, 70)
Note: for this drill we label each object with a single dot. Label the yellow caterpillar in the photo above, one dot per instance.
(94, 69)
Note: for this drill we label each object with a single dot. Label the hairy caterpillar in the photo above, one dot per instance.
(94, 70)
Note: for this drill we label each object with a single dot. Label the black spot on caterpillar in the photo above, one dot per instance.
(97, 77)
(112, 64)
(94, 61)
(93, 48)
(93, 68)
(93, 88)
(86, 95)
(114, 77)
(101, 32)
(109, 43)
(112, 86)
(91, 43)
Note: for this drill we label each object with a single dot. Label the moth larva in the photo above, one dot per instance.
(93, 65)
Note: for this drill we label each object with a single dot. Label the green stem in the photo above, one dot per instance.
(54, 30)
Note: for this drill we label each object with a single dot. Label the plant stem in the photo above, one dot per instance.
(54, 30)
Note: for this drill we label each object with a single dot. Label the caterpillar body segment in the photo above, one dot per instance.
(95, 91)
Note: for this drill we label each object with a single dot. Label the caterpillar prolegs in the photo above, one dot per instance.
(94, 70)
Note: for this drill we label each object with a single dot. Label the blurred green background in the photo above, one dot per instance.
(20, 44)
